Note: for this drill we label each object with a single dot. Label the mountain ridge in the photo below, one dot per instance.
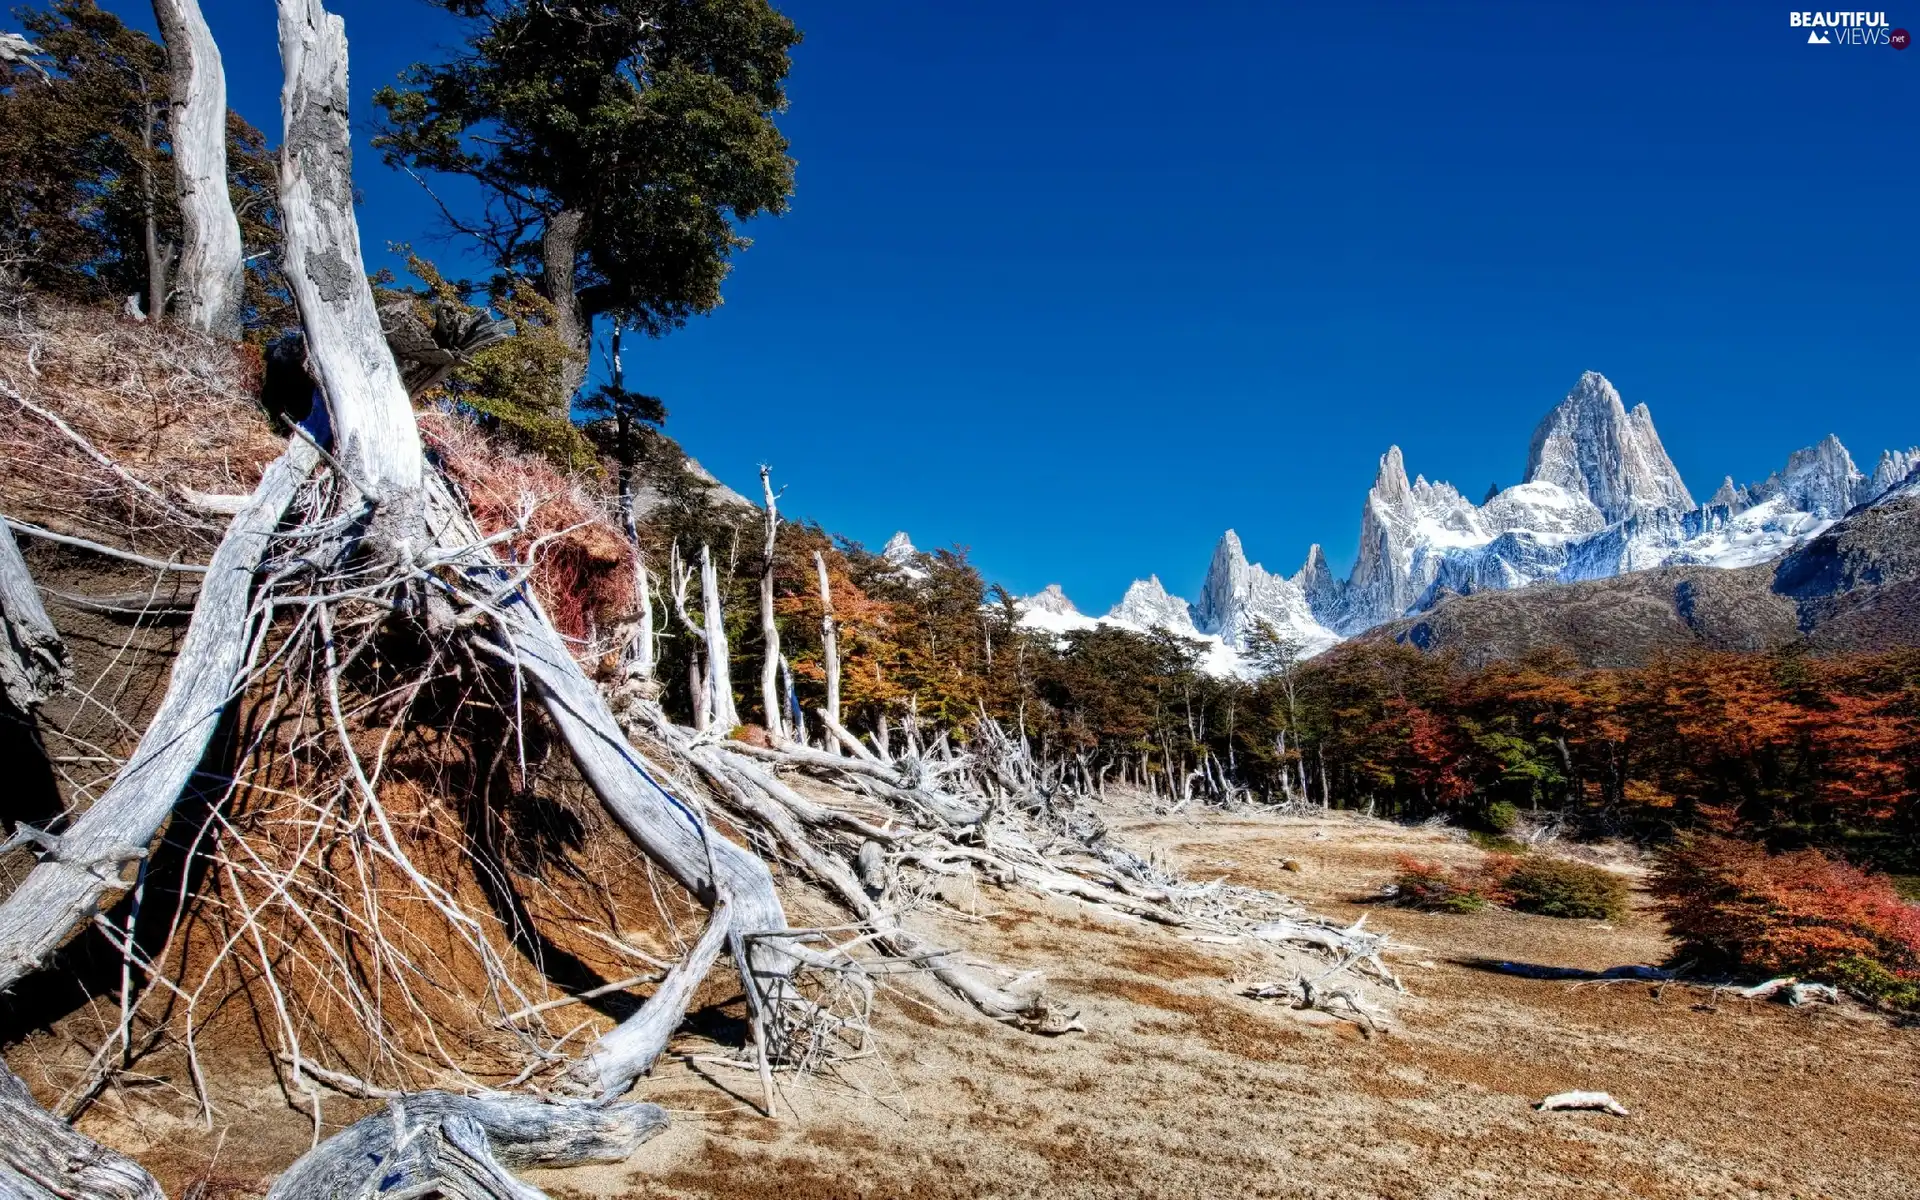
(1600, 498)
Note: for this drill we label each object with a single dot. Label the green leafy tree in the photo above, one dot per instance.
(618, 144)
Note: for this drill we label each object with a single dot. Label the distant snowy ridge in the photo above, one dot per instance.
(1600, 498)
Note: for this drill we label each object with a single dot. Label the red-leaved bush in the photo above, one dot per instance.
(1731, 904)
(584, 575)
(1436, 887)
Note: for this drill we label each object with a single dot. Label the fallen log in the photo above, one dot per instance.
(43, 1157)
(470, 1139)
(1594, 1101)
(1791, 990)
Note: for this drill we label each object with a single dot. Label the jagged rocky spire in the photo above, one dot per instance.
(1051, 599)
(1148, 605)
(1592, 446)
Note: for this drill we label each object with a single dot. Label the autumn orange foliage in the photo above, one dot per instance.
(1732, 905)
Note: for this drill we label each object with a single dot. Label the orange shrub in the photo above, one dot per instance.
(1436, 887)
(1731, 904)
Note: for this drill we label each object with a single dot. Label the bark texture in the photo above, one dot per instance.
(374, 435)
(33, 659)
(210, 277)
(43, 1157)
(456, 1146)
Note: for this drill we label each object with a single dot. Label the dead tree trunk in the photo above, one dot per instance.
(44, 1158)
(210, 272)
(700, 695)
(769, 631)
(720, 707)
(33, 659)
(644, 655)
(440, 1144)
(830, 641)
(374, 435)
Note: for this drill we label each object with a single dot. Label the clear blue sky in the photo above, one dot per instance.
(1082, 285)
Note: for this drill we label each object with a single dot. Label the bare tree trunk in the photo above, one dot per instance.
(701, 697)
(722, 711)
(374, 434)
(559, 259)
(645, 655)
(769, 631)
(33, 659)
(159, 254)
(210, 278)
(830, 640)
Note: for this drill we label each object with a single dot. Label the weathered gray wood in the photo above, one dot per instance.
(721, 710)
(669, 829)
(469, 1139)
(630, 1049)
(80, 543)
(33, 659)
(67, 887)
(374, 433)
(42, 1157)
(769, 630)
(210, 278)
(830, 645)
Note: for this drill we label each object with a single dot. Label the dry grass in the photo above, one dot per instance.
(174, 409)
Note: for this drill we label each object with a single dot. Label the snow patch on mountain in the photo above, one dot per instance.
(903, 557)
(1600, 498)
(1148, 605)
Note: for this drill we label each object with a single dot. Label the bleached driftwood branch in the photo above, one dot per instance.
(65, 889)
(1594, 1101)
(459, 1145)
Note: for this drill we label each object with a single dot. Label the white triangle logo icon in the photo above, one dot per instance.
(1816, 38)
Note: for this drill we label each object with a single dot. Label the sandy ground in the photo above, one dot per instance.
(1181, 1086)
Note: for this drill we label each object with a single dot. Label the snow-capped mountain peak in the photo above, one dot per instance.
(1592, 446)
(1239, 594)
(1148, 605)
(1600, 498)
(899, 548)
(901, 555)
(1050, 599)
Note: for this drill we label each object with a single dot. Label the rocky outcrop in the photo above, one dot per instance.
(1148, 605)
(1238, 595)
(1592, 446)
